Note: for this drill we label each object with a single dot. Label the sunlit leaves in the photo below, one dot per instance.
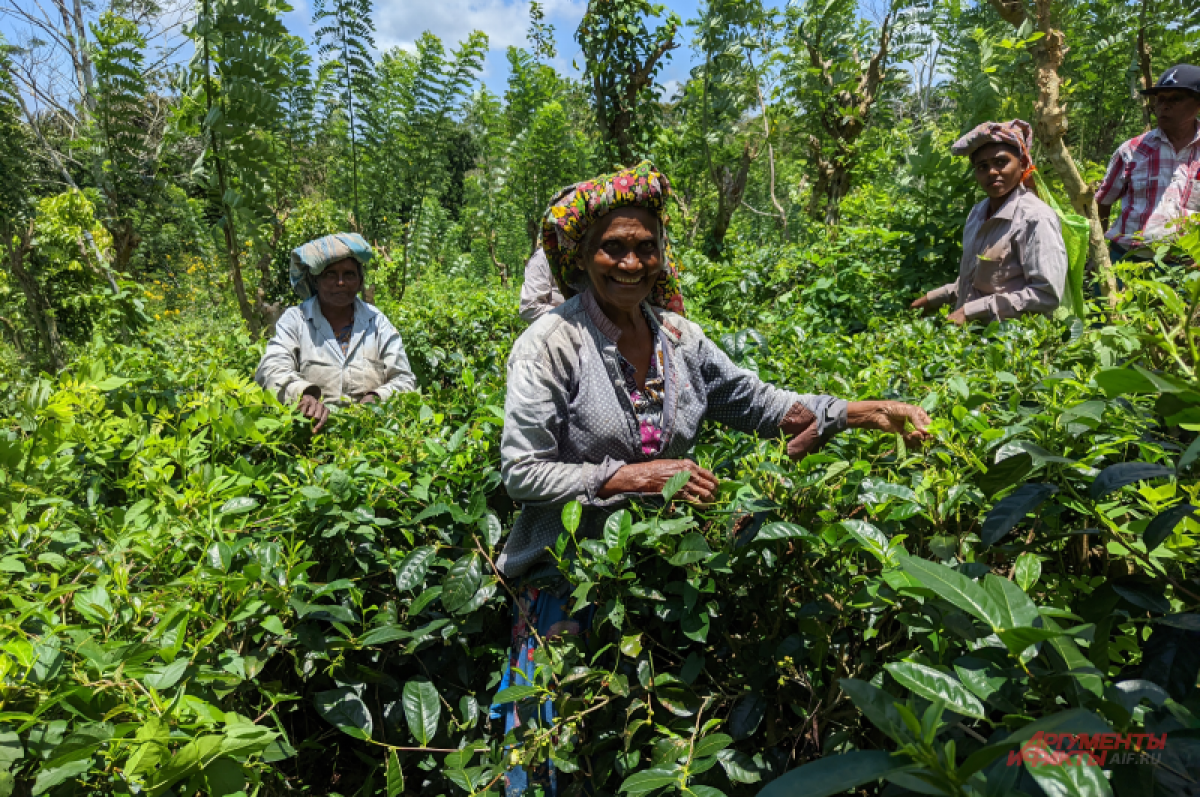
(422, 709)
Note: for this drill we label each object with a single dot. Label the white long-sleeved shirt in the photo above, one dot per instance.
(305, 353)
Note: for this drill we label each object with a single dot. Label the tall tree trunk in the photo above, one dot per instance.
(36, 303)
(820, 190)
(731, 187)
(1050, 127)
(74, 33)
(252, 319)
(500, 266)
(838, 188)
(1145, 73)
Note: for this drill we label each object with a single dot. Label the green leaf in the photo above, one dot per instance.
(877, 491)
(933, 684)
(649, 780)
(515, 693)
(692, 548)
(346, 711)
(11, 750)
(1018, 639)
(223, 777)
(711, 745)
(675, 484)
(489, 525)
(1069, 777)
(836, 774)
(410, 573)
(1027, 570)
(1073, 659)
(462, 582)
(739, 767)
(50, 777)
(571, 514)
(395, 777)
(617, 529)
(780, 531)
(422, 709)
(877, 705)
(168, 676)
(631, 645)
(1012, 509)
(869, 537)
(1016, 609)
(1114, 477)
(1117, 381)
(238, 506)
(956, 588)
(1163, 525)
(185, 763)
(384, 634)
(1005, 473)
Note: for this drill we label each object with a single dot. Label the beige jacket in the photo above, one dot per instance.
(1013, 263)
(305, 353)
(539, 294)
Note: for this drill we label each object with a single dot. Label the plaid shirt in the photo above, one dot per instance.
(1139, 174)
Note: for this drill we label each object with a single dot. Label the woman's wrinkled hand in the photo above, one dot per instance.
(800, 424)
(652, 477)
(369, 398)
(958, 317)
(312, 408)
(896, 417)
(922, 304)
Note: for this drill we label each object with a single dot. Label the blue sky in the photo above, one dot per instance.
(400, 22)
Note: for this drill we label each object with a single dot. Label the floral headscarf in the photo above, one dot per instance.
(312, 258)
(575, 209)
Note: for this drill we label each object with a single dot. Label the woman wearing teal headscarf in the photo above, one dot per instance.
(333, 348)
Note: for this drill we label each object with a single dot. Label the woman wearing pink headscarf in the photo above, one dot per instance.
(1014, 260)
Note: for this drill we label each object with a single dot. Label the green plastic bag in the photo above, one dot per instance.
(1077, 233)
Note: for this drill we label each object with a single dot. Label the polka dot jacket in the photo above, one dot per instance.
(569, 424)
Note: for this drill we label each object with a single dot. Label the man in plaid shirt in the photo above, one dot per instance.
(1144, 167)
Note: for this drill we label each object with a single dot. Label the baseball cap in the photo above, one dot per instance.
(1180, 76)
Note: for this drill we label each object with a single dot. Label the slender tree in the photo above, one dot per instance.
(346, 34)
(121, 132)
(839, 72)
(235, 80)
(623, 56)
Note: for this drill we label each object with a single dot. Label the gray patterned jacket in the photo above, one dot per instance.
(569, 423)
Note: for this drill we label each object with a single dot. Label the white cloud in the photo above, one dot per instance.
(401, 22)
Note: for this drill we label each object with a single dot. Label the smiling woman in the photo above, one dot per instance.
(606, 398)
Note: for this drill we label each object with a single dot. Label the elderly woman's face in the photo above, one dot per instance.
(339, 283)
(625, 260)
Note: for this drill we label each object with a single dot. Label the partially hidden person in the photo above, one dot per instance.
(539, 294)
(606, 396)
(1014, 260)
(1154, 176)
(333, 349)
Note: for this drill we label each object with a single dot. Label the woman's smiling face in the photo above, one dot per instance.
(625, 258)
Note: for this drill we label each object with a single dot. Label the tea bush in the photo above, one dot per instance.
(201, 597)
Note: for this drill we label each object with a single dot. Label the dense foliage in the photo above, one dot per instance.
(201, 597)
